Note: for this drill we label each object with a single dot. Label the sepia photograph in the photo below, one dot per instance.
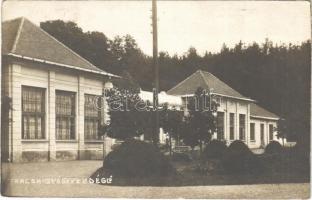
(156, 99)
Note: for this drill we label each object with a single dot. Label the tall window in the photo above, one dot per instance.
(65, 115)
(270, 132)
(220, 125)
(252, 131)
(241, 126)
(232, 126)
(262, 133)
(92, 117)
(33, 113)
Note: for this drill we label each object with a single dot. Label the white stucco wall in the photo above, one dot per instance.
(227, 106)
(266, 123)
(38, 75)
(230, 105)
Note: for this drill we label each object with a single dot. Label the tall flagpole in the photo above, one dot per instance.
(156, 71)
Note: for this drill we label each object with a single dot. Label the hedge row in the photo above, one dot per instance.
(237, 158)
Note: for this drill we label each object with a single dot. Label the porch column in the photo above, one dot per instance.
(248, 124)
(80, 118)
(226, 122)
(16, 114)
(236, 122)
(108, 142)
(51, 116)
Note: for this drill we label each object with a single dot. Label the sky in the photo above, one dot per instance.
(205, 25)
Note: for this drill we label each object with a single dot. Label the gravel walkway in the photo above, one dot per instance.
(18, 178)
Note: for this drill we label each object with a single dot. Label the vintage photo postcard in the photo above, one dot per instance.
(156, 99)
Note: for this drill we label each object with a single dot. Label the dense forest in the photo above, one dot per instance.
(276, 75)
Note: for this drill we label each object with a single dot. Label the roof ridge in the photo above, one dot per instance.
(214, 76)
(19, 30)
(72, 51)
(202, 75)
(223, 82)
(183, 81)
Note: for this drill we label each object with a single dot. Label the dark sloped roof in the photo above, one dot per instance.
(206, 81)
(257, 111)
(9, 32)
(22, 37)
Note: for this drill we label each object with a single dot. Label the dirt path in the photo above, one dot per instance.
(80, 170)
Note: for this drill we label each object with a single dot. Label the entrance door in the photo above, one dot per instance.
(262, 135)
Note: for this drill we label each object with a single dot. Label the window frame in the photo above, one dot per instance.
(262, 132)
(242, 129)
(72, 116)
(232, 126)
(98, 118)
(271, 132)
(218, 126)
(252, 132)
(42, 114)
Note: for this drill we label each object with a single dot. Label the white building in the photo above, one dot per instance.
(238, 117)
(53, 92)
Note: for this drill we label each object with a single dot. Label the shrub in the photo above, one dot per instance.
(239, 159)
(215, 149)
(181, 157)
(302, 149)
(115, 146)
(136, 159)
(273, 147)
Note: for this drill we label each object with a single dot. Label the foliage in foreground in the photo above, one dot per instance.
(135, 159)
(238, 159)
(200, 119)
(128, 115)
(273, 148)
(289, 166)
(215, 149)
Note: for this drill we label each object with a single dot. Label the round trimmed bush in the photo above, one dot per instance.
(239, 147)
(215, 149)
(238, 159)
(134, 158)
(273, 147)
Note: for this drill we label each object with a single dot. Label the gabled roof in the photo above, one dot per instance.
(21, 38)
(206, 81)
(259, 112)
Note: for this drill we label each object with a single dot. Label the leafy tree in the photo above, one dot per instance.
(201, 117)
(282, 130)
(127, 82)
(127, 116)
(276, 75)
(171, 121)
(94, 46)
(188, 135)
